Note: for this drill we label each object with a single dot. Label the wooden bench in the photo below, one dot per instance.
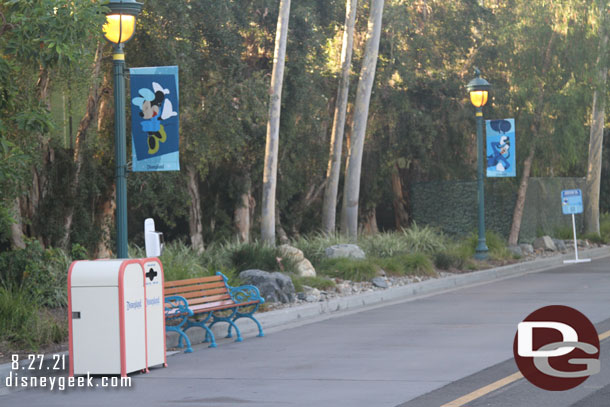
(205, 301)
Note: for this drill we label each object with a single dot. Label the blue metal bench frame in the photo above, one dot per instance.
(245, 302)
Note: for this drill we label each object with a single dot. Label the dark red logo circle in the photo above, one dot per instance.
(556, 348)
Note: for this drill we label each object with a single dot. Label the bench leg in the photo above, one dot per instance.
(208, 333)
(258, 324)
(189, 349)
(231, 325)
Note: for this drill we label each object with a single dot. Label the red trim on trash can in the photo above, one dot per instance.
(70, 334)
(163, 305)
(124, 264)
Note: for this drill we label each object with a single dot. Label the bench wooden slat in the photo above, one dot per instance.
(211, 298)
(198, 280)
(214, 307)
(191, 288)
(196, 294)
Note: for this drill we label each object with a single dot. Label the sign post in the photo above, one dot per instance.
(571, 204)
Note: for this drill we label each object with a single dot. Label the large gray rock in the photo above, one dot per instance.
(274, 287)
(516, 250)
(292, 252)
(561, 245)
(344, 251)
(305, 268)
(545, 243)
(380, 282)
(527, 248)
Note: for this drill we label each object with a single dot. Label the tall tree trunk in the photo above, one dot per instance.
(17, 227)
(401, 215)
(515, 227)
(105, 221)
(243, 211)
(513, 238)
(30, 203)
(273, 126)
(596, 135)
(329, 207)
(195, 222)
(93, 101)
(281, 233)
(361, 109)
(370, 224)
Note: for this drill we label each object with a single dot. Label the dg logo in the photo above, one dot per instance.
(556, 348)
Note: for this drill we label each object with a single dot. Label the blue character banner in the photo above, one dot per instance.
(154, 118)
(501, 148)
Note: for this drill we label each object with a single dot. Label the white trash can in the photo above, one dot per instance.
(155, 315)
(106, 317)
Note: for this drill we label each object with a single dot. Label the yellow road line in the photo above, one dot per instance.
(484, 390)
(496, 385)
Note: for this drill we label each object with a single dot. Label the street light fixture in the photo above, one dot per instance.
(118, 29)
(479, 90)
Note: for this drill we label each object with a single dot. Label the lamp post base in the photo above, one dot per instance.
(481, 252)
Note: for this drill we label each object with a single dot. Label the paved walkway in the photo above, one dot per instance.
(380, 357)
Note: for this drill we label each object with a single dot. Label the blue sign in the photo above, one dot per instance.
(501, 148)
(154, 118)
(571, 201)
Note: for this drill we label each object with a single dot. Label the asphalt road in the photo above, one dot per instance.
(425, 352)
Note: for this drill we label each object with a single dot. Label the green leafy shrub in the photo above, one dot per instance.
(181, 262)
(408, 264)
(23, 325)
(41, 273)
(418, 264)
(563, 232)
(263, 257)
(79, 252)
(604, 226)
(425, 240)
(595, 238)
(348, 269)
(495, 244)
(384, 244)
(446, 260)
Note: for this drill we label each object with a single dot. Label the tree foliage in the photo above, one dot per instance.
(420, 123)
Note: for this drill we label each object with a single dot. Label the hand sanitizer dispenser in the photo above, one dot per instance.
(153, 240)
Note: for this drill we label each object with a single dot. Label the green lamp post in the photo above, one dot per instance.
(479, 90)
(118, 29)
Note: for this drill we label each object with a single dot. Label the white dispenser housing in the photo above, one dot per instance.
(153, 240)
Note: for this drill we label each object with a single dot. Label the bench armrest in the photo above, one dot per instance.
(244, 293)
(177, 306)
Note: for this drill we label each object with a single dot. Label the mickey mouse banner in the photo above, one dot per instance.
(501, 148)
(154, 118)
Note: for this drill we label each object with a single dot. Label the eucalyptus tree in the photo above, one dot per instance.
(329, 208)
(353, 167)
(537, 40)
(41, 42)
(273, 126)
(598, 111)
